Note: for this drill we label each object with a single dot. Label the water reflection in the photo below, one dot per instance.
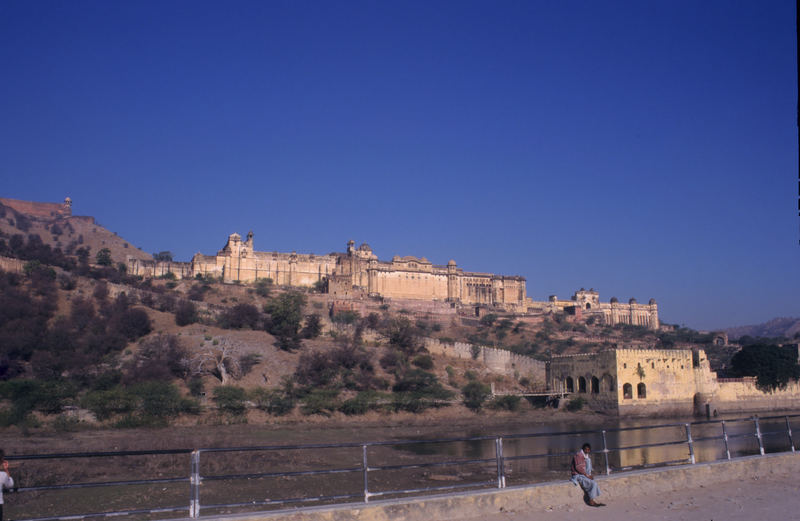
(544, 453)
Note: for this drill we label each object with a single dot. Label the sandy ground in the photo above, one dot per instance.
(770, 498)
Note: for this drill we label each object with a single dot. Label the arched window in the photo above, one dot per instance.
(641, 391)
(595, 385)
(588, 306)
(570, 385)
(606, 383)
(581, 384)
(627, 391)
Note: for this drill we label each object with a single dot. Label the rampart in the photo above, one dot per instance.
(496, 360)
(647, 382)
(12, 265)
(45, 211)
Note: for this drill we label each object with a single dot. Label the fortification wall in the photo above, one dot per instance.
(12, 265)
(591, 376)
(656, 376)
(149, 268)
(409, 284)
(742, 395)
(496, 360)
(38, 210)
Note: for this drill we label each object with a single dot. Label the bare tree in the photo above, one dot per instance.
(219, 359)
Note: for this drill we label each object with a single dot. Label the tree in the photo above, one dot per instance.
(219, 359)
(312, 327)
(475, 394)
(285, 315)
(103, 257)
(163, 256)
(186, 313)
(772, 365)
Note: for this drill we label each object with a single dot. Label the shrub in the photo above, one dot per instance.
(186, 313)
(239, 317)
(576, 404)
(363, 402)
(392, 362)
(321, 401)
(103, 257)
(507, 403)
(263, 287)
(345, 317)
(230, 399)
(488, 320)
(104, 404)
(157, 399)
(312, 327)
(475, 393)
(423, 362)
(273, 402)
(418, 390)
(195, 386)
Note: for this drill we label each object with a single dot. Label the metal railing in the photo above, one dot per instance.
(492, 468)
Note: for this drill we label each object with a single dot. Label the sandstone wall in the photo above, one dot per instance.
(410, 285)
(590, 376)
(741, 394)
(496, 360)
(12, 265)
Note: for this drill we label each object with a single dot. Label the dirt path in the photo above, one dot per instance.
(770, 498)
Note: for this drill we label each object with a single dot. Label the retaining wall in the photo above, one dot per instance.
(537, 498)
(496, 360)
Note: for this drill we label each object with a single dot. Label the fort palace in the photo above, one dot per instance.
(358, 273)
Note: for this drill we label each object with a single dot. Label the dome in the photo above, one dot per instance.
(652, 301)
(614, 300)
(632, 301)
(451, 262)
(364, 247)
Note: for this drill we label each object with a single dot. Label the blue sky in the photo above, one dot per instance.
(646, 149)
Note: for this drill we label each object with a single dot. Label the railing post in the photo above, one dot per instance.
(691, 443)
(605, 452)
(789, 433)
(194, 486)
(725, 437)
(501, 472)
(365, 470)
(758, 435)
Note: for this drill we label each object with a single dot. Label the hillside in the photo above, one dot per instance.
(64, 231)
(127, 351)
(786, 327)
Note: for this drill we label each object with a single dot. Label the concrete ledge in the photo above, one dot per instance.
(539, 497)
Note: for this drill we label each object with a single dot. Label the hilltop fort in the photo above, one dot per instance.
(358, 273)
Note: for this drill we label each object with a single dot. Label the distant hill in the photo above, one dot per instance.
(58, 228)
(785, 326)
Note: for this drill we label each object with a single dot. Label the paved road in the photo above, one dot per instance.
(770, 498)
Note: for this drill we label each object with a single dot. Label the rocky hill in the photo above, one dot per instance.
(787, 327)
(55, 225)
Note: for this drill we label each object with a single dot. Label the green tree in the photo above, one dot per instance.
(475, 394)
(312, 327)
(772, 365)
(163, 256)
(230, 399)
(103, 257)
(285, 315)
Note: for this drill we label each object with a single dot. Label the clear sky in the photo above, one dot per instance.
(644, 148)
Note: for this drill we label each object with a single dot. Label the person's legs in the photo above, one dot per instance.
(589, 487)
